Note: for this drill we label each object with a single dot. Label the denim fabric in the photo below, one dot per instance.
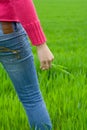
(17, 58)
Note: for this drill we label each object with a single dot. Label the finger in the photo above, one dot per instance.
(44, 66)
(50, 62)
(43, 63)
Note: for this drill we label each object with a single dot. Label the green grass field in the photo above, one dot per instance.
(65, 25)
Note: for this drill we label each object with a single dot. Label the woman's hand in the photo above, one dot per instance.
(45, 56)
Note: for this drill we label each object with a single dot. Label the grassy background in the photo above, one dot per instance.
(65, 25)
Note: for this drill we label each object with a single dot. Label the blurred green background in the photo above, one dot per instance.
(64, 86)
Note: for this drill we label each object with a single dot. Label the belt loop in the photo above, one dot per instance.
(15, 25)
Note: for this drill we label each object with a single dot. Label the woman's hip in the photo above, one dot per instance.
(15, 43)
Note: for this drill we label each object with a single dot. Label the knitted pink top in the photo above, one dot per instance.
(23, 11)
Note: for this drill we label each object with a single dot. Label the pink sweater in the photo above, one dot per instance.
(23, 11)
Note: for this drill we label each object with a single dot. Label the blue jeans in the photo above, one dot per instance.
(17, 59)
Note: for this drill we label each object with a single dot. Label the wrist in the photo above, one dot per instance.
(41, 45)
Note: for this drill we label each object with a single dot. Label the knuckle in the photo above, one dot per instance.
(50, 59)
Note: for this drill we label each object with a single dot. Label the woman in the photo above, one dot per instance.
(18, 20)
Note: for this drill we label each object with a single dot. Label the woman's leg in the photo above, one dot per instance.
(19, 64)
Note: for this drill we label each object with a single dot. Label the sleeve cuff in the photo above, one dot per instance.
(35, 33)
